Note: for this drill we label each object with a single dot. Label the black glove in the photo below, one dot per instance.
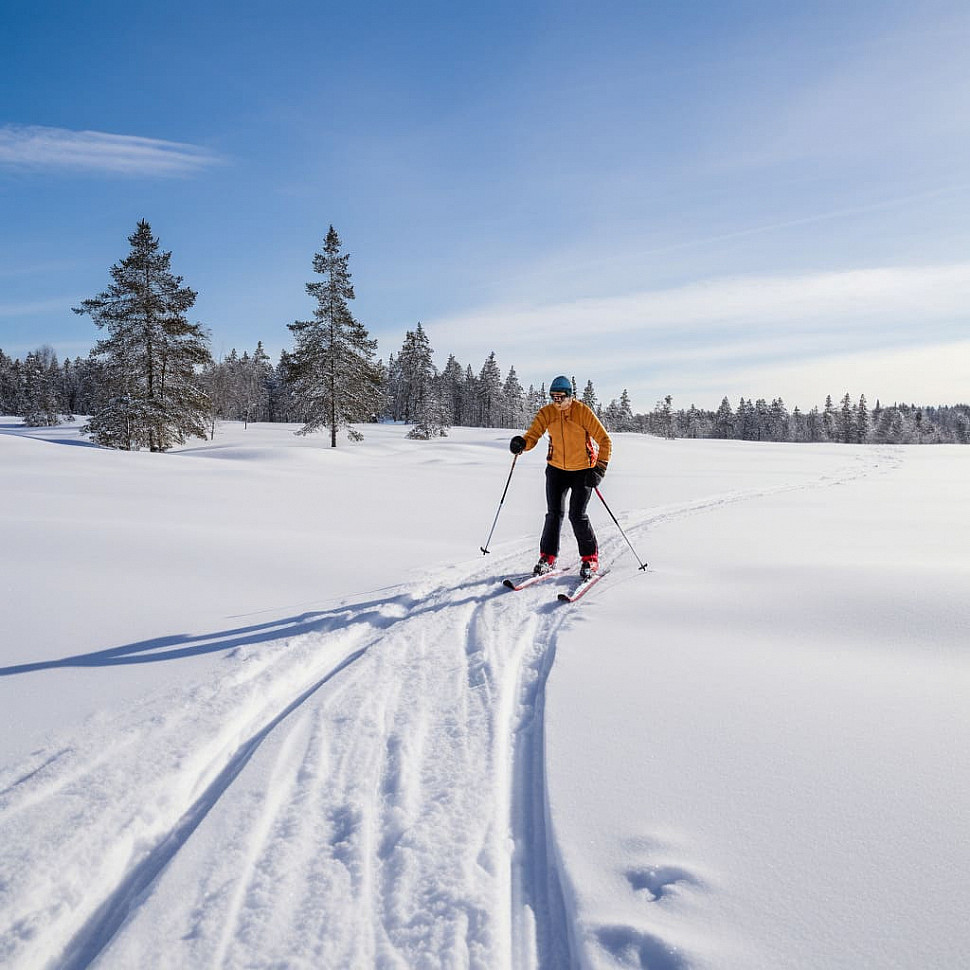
(595, 475)
(517, 445)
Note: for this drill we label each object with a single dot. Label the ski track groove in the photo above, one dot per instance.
(441, 682)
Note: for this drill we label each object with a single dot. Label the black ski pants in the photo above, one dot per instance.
(558, 482)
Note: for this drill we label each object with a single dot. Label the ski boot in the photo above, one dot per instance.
(589, 566)
(546, 564)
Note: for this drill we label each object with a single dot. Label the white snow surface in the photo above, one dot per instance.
(264, 704)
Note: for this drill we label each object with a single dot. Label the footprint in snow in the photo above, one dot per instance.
(632, 948)
(659, 881)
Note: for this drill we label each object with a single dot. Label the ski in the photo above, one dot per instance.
(581, 590)
(520, 582)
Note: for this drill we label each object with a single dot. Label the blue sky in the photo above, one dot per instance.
(740, 198)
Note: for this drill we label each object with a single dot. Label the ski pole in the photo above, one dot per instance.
(484, 548)
(643, 565)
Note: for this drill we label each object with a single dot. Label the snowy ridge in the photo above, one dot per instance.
(370, 791)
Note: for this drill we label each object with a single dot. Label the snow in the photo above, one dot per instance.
(263, 703)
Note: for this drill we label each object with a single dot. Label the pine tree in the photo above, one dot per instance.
(491, 402)
(589, 396)
(420, 401)
(9, 385)
(215, 380)
(282, 402)
(747, 421)
(919, 424)
(535, 399)
(862, 426)
(814, 427)
(151, 392)
(625, 417)
(829, 420)
(762, 423)
(471, 402)
(450, 389)
(513, 399)
(724, 420)
(663, 418)
(611, 415)
(778, 421)
(254, 379)
(692, 424)
(846, 421)
(40, 405)
(414, 375)
(332, 367)
(71, 386)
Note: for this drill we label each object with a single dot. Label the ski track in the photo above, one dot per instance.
(369, 794)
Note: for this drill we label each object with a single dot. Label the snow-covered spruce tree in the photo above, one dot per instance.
(75, 386)
(662, 419)
(626, 422)
(611, 416)
(829, 421)
(513, 399)
(9, 385)
(490, 397)
(724, 420)
(414, 371)
(450, 390)
(471, 400)
(779, 421)
(40, 405)
(252, 385)
(814, 428)
(535, 399)
(846, 421)
(863, 425)
(419, 399)
(335, 378)
(151, 393)
(282, 403)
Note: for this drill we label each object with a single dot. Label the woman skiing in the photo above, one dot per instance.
(579, 451)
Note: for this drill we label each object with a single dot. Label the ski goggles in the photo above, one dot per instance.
(558, 396)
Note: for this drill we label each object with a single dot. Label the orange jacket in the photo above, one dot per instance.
(570, 432)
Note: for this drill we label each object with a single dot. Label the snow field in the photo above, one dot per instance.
(797, 790)
(747, 757)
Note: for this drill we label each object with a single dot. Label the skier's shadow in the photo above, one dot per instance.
(378, 613)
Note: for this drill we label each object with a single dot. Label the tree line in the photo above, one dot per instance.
(151, 381)
(849, 422)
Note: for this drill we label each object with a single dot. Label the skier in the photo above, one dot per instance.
(579, 451)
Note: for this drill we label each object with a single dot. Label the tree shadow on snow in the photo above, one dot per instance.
(37, 434)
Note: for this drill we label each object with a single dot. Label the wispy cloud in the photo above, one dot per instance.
(834, 301)
(33, 147)
(33, 307)
(775, 331)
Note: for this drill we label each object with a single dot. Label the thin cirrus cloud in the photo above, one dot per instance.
(884, 298)
(37, 148)
(742, 335)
